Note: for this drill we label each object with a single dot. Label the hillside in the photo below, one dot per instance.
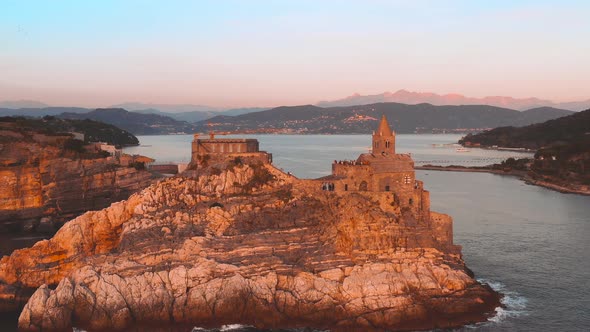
(93, 131)
(137, 123)
(422, 118)
(307, 119)
(562, 161)
(567, 129)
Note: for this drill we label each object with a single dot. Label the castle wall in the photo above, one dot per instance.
(228, 148)
(203, 146)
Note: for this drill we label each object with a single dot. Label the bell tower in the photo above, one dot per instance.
(383, 139)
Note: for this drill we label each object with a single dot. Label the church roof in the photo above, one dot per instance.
(383, 129)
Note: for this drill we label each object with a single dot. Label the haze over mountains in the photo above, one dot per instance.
(16, 104)
(195, 112)
(186, 112)
(410, 97)
(419, 112)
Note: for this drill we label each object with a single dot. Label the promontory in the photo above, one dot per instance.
(235, 240)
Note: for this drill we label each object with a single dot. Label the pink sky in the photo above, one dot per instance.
(236, 54)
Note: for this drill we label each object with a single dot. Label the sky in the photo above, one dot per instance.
(270, 53)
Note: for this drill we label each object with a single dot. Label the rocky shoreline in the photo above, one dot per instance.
(199, 250)
(522, 175)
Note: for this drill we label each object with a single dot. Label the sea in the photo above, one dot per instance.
(530, 243)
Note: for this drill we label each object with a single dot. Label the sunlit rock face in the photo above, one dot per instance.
(44, 184)
(248, 245)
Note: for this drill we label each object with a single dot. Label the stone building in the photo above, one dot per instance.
(382, 170)
(222, 148)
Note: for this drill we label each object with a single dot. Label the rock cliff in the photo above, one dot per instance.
(247, 245)
(41, 179)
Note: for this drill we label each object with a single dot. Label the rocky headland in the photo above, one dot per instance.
(245, 243)
(48, 178)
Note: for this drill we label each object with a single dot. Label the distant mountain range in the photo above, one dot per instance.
(189, 113)
(421, 118)
(167, 108)
(186, 112)
(409, 97)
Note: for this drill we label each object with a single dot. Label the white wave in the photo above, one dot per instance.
(231, 327)
(514, 304)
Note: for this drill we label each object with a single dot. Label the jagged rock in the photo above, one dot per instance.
(201, 250)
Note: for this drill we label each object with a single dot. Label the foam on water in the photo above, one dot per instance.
(223, 328)
(232, 327)
(514, 304)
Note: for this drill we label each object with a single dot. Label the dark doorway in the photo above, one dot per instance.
(363, 186)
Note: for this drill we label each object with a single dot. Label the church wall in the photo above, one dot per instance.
(354, 175)
(400, 164)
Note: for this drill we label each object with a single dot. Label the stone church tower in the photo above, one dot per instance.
(383, 139)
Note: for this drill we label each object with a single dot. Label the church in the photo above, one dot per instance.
(382, 170)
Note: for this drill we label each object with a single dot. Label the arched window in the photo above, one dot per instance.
(363, 186)
(386, 188)
(345, 187)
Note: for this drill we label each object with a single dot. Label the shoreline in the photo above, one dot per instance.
(522, 175)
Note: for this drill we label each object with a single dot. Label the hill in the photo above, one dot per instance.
(93, 131)
(562, 160)
(137, 123)
(422, 118)
(567, 129)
